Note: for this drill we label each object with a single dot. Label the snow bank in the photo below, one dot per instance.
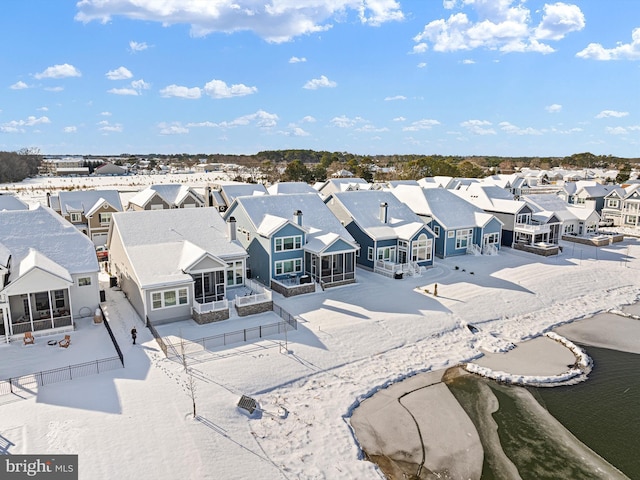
(577, 373)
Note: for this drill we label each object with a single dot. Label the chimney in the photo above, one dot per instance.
(297, 216)
(231, 228)
(384, 212)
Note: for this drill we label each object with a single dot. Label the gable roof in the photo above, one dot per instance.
(85, 200)
(172, 193)
(43, 231)
(280, 188)
(160, 243)
(448, 209)
(11, 202)
(270, 212)
(364, 209)
(232, 190)
(491, 198)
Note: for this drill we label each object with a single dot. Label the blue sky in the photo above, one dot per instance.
(452, 77)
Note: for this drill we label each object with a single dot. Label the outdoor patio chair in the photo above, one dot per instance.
(65, 342)
(28, 339)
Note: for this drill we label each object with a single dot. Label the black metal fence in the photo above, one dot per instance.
(28, 383)
(156, 335)
(113, 338)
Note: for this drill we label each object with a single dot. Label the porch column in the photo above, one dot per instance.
(50, 309)
(30, 310)
(70, 305)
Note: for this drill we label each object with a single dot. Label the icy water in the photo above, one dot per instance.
(523, 430)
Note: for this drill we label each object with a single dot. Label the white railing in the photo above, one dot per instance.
(525, 227)
(210, 306)
(490, 249)
(254, 298)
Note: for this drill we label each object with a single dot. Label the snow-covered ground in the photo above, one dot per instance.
(136, 422)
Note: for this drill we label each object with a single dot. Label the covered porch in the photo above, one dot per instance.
(36, 311)
(331, 269)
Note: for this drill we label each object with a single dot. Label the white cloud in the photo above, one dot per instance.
(123, 91)
(554, 108)
(19, 85)
(219, 89)
(295, 131)
(422, 65)
(345, 122)
(396, 97)
(616, 131)
(558, 20)
(181, 92)
(308, 119)
(137, 46)
(202, 124)
(70, 129)
(504, 25)
(297, 59)
(514, 130)
(59, 71)
(424, 124)
(399, 119)
(105, 114)
(371, 128)
(120, 73)
(628, 51)
(322, 82)
(275, 21)
(136, 88)
(478, 127)
(611, 113)
(172, 129)
(17, 126)
(43, 109)
(107, 127)
(468, 61)
(54, 89)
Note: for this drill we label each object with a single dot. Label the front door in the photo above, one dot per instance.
(402, 256)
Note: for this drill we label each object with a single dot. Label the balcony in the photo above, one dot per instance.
(532, 229)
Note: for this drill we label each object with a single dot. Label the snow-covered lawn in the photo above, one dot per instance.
(136, 422)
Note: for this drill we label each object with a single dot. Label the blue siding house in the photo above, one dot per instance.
(459, 226)
(293, 240)
(392, 238)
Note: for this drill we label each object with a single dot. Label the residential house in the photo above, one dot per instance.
(292, 239)
(166, 196)
(176, 264)
(522, 228)
(612, 210)
(392, 238)
(11, 202)
(459, 227)
(222, 194)
(585, 193)
(631, 206)
(88, 210)
(48, 273)
(348, 184)
(288, 188)
(578, 221)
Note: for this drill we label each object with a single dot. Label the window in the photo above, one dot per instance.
(235, 273)
(370, 254)
(169, 298)
(75, 217)
(84, 281)
(579, 201)
(491, 238)
(58, 298)
(288, 243)
(463, 237)
(288, 266)
(403, 244)
(451, 234)
(523, 218)
(436, 230)
(421, 249)
(613, 203)
(387, 254)
(105, 218)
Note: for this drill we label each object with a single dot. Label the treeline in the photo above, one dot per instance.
(16, 166)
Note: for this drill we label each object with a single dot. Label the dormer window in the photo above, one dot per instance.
(75, 217)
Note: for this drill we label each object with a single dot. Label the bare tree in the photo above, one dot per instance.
(189, 385)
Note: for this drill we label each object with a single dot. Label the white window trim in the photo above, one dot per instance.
(297, 266)
(370, 254)
(84, 281)
(436, 231)
(162, 293)
(75, 217)
(297, 240)
(451, 234)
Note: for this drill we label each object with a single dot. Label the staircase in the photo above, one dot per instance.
(490, 249)
(474, 249)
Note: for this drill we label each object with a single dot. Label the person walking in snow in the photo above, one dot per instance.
(134, 334)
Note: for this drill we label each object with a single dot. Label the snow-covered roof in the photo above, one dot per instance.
(491, 197)
(231, 191)
(333, 185)
(86, 200)
(41, 230)
(34, 259)
(552, 203)
(447, 208)
(290, 187)
(364, 208)
(11, 202)
(155, 241)
(316, 216)
(172, 193)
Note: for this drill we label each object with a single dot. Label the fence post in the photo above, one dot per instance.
(260, 331)
(41, 379)
(245, 334)
(11, 385)
(97, 367)
(70, 376)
